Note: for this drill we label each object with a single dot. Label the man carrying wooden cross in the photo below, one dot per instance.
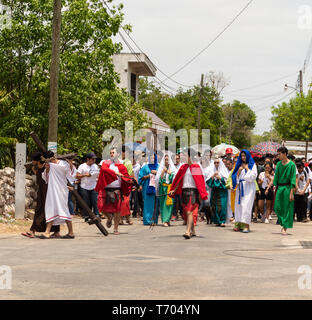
(56, 206)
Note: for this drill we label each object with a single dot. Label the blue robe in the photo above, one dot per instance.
(148, 199)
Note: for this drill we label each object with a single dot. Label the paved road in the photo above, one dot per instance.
(159, 264)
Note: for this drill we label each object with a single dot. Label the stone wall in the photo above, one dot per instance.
(7, 191)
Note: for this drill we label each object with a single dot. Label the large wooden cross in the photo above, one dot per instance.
(94, 219)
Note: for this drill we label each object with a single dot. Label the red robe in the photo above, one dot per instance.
(106, 177)
(199, 179)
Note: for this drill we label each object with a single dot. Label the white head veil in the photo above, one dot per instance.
(222, 170)
(171, 168)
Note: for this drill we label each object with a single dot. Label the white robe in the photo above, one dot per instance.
(56, 206)
(243, 211)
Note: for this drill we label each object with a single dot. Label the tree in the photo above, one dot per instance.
(180, 111)
(217, 81)
(292, 120)
(271, 135)
(240, 119)
(89, 99)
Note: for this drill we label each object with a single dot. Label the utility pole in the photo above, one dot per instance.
(200, 101)
(54, 76)
(301, 81)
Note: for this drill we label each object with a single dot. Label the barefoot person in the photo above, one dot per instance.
(39, 222)
(56, 205)
(244, 176)
(190, 182)
(111, 186)
(285, 187)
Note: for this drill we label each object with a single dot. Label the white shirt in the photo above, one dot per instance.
(302, 183)
(136, 170)
(265, 180)
(89, 183)
(116, 183)
(188, 181)
(72, 177)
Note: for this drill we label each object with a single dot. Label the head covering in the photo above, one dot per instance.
(153, 166)
(228, 150)
(222, 170)
(249, 160)
(172, 167)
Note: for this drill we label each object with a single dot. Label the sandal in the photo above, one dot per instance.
(130, 222)
(53, 236)
(28, 235)
(116, 233)
(166, 224)
(236, 229)
(68, 236)
(187, 236)
(43, 237)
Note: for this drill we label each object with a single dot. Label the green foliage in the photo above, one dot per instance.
(292, 120)
(89, 99)
(240, 120)
(7, 152)
(266, 136)
(180, 111)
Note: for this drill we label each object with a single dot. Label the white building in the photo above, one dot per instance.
(130, 67)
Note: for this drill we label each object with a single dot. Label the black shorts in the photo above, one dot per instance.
(268, 196)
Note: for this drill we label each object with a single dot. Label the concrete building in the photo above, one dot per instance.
(130, 67)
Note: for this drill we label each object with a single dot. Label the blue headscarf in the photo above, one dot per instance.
(152, 166)
(249, 160)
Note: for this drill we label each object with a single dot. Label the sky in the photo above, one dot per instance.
(261, 52)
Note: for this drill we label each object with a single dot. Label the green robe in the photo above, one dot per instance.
(283, 207)
(165, 210)
(218, 200)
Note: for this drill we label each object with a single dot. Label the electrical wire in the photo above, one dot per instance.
(273, 103)
(262, 84)
(139, 60)
(212, 42)
(141, 51)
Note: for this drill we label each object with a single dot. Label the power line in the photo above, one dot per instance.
(134, 42)
(253, 98)
(262, 84)
(139, 60)
(212, 42)
(273, 103)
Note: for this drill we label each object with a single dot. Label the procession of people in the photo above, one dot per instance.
(227, 189)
